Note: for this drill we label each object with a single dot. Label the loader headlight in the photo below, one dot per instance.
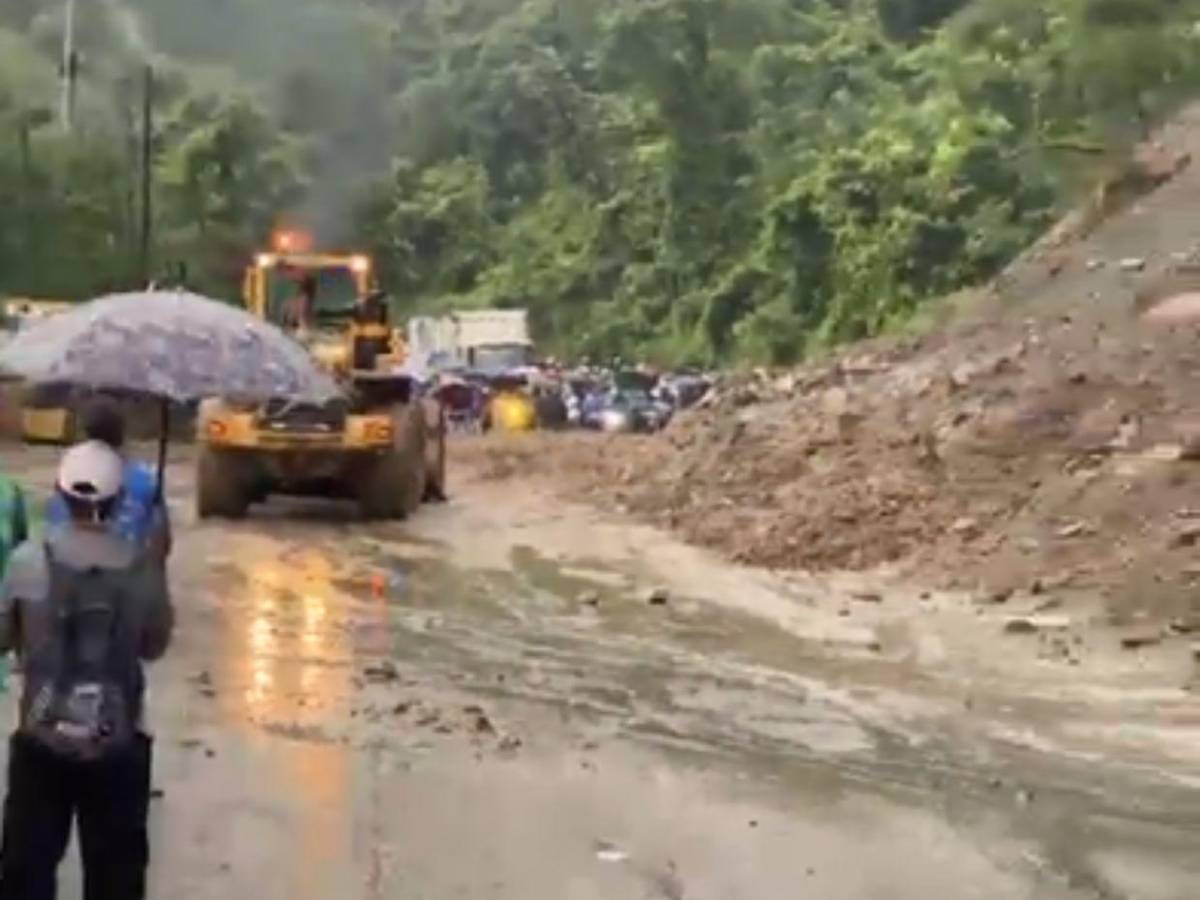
(380, 432)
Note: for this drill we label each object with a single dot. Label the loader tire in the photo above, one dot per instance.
(219, 489)
(395, 485)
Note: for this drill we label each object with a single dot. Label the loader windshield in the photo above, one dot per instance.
(336, 289)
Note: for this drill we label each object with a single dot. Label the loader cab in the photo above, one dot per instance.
(331, 286)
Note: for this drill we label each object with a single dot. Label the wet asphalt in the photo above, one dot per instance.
(444, 708)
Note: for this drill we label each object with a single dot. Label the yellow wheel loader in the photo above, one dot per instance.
(380, 445)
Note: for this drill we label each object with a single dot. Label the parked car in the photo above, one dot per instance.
(632, 410)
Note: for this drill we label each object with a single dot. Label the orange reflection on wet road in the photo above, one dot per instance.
(291, 654)
(289, 667)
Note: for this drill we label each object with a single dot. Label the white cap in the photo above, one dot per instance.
(90, 471)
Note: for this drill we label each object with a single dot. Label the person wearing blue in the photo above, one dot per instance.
(141, 514)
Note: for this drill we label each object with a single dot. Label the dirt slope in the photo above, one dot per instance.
(1039, 443)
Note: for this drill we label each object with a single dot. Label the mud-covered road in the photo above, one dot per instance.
(484, 703)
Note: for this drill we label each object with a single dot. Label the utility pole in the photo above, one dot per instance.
(70, 68)
(24, 198)
(133, 151)
(28, 196)
(147, 173)
(25, 155)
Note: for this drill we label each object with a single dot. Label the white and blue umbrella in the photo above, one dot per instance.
(174, 345)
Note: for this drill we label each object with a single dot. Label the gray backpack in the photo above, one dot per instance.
(84, 681)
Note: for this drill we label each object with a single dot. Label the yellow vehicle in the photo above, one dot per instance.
(513, 411)
(48, 414)
(380, 445)
(511, 408)
(47, 411)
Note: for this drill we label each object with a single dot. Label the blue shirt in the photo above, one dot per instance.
(136, 514)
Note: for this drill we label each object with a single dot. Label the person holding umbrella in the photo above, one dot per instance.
(82, 609)
(141, 515)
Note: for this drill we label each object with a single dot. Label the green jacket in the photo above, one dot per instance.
(14, 520)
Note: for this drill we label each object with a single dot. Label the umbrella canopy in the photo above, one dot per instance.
(174, 345)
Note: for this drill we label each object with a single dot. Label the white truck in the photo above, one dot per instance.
(489, 340)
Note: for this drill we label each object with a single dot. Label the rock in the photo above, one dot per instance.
(1142, 637)
(1036, 624)
(1127, 434)
(1189, 444)
(608, 852)
(590, 598)
(510, 743)
(659, 596)
(1019, 626)
(1073, 529)
(381, 672)
(961, 375)
(847, 425)
(867, 596)
(1059, 580)
(1133, 264)
(480, 723)
(1188, 624)
(965, 526)
(785, 385)
(835, 402)
(862, 365)
(745, 397)
(1154, 163)
(1185, 536)
(998, 595)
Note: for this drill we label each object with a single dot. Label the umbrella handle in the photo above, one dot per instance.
(164, 429)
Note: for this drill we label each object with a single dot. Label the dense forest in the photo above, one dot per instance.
(688, 180)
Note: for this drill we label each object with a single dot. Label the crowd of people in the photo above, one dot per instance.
(608, 398)
(83, 603)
